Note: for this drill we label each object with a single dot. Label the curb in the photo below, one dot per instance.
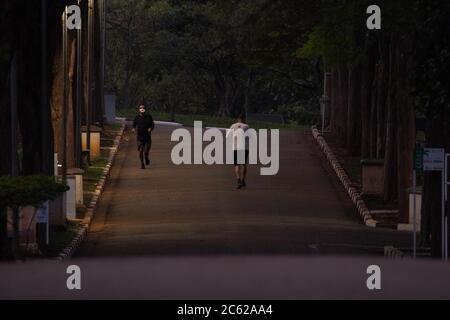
(68, 251)
(168, 123)
(353, 193)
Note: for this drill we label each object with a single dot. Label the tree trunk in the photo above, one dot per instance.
(224, 104)
(381, 110)
(353, 139)
(406, 130)
(98, 106)
(367, 79)
(85, 64)
(390, 156)
(4, 243)
(342, 104)
(372, 114)
(16, 234)
(71, 163)
(30, 110)
(57, 101)
(227, 97)
(248, 90)
(5, 119)
(333, 100)
(367, 95)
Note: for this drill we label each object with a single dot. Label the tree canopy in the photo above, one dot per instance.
(217, 57)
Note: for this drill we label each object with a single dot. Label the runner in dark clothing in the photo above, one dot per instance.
(143, 125)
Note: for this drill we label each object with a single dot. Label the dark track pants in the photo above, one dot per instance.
(144, 147)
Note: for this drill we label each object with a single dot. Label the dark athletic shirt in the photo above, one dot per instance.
(142, 124)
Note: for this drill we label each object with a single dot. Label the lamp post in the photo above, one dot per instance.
(78, 99)
(102, 63)
(89, 79)
(325, 99)
(64, 111)
(323, 106)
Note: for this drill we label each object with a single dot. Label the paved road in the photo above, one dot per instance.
(196, 210)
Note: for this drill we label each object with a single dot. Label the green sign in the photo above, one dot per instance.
(418, 158)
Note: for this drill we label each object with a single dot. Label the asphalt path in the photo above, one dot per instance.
(169, 210)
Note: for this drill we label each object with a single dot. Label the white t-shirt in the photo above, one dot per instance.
(243, 143)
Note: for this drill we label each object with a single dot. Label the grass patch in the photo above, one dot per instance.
(62, 237)
(91, 177)
(211, 121)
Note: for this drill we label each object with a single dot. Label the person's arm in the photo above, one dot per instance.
(134, 124)
(152, 124)
(230, 131)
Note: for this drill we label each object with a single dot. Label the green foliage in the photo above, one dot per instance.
(431, 78)
(200, 57)
(298, 113)
(203, 56)
(28, 190)
(339, 34)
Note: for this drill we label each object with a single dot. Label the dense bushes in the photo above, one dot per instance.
(299, 114)
(28, 190)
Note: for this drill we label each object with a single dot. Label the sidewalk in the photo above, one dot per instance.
(196, 210)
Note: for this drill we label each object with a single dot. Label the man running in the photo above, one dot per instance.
(241, 152)
(144, 125)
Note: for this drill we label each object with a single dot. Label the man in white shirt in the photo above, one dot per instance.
(241, 151)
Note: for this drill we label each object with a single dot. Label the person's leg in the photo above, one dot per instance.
(148, 147)
(244, 175)
(141, 154)
(244, 169)
(238, 170)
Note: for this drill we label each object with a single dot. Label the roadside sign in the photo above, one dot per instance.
(418, 158)
(42, 218)
(433, 159)
(42, 213)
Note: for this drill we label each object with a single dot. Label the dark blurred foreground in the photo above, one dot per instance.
(225, 278)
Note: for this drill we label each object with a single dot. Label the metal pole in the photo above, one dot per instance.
(445, 174)
(89, 84)
(64, 112)
(414, 214)
(14, 169)
(443, 213)
(323, 117)
(47, 231)
(102, 88)
(446, 238)
(78, 100)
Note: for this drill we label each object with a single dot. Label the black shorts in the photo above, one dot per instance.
(236, 162)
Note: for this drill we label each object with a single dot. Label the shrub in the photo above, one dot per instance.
(21, 191)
